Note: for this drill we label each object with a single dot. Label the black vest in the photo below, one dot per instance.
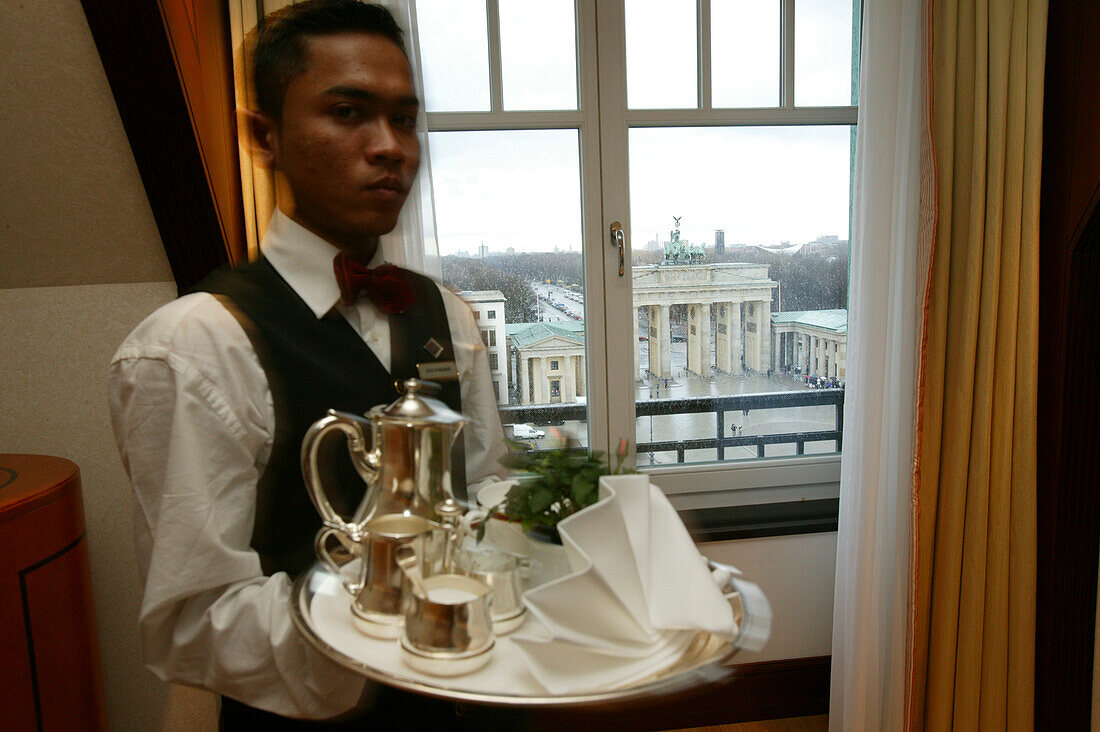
(314, 365)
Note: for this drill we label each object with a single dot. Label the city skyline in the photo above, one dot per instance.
(511, 250)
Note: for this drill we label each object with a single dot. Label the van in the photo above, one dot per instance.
(526, 431)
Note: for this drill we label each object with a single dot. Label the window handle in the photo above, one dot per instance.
(618, 239)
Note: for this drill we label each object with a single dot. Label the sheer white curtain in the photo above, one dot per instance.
(412, 243)
(873, 547)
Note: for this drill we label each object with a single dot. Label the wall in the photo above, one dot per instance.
(796, 575)
(80, 264)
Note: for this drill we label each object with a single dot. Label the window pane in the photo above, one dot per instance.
(823, 52)
(745, 295)
(661, 50)
(454, 48)
(508, 221)
(538, 54)
(745, 53)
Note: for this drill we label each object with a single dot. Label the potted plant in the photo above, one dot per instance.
(556, 485)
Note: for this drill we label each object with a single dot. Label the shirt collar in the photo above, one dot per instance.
(304, 260)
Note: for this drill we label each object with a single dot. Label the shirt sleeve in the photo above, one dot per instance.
(192, 416)
(483, 436)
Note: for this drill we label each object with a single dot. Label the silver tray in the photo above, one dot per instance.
(320, 610)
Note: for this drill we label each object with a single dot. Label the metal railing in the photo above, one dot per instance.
(546, 414)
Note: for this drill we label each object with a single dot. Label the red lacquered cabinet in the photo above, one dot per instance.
(50, 673)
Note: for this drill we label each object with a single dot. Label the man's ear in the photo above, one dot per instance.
(261, 135)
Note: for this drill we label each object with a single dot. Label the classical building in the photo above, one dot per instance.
(811, 342)
(737, 297)
(488, 307)
(549, 359)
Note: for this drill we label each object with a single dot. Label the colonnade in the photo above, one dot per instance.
(815, 354)
(740, 336)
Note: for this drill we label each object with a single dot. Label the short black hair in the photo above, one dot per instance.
(279, 53)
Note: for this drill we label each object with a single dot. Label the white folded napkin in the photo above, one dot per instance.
(637, 594)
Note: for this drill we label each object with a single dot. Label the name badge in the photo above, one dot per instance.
(437, 371)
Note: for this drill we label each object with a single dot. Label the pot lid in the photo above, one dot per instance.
(417, 404)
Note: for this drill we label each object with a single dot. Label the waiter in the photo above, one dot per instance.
(210, 396)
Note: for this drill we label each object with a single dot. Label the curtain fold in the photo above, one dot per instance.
(412, 243)
(873, 544)
(973, 616)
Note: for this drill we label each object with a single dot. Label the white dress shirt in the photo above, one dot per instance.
(193, 416)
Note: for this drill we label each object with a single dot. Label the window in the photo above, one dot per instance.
(719, 134)
(493, 364)
(492, 315)
(485, 336)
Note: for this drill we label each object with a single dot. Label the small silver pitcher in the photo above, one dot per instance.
(380, 591)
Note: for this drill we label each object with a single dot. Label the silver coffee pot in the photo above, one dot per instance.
(405, 461)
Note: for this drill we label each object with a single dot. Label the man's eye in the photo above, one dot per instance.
(408, 121)
(346, 111)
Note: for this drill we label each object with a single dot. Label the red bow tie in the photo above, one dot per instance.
(386, 285)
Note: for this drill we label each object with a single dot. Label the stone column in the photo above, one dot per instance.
(722, 337)
(582, 388)
(705, 362)
(842, 358)
(637, 350)
(664, 332)
(524, 379)
(735, 337)
(653, 345)
(538, 375)
(693, 361)
(765, 328)
(569, 388)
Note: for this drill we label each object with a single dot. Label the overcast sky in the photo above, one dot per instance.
(522, 188)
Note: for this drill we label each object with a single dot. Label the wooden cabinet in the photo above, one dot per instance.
(50, 669)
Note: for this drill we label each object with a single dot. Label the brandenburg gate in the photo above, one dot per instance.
(739, 296)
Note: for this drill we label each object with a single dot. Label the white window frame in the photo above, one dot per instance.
(701, 485)
(603, 121)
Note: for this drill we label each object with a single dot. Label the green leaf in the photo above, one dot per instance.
(580, 488)
(539, 499)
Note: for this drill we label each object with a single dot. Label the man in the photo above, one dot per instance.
(211, 395)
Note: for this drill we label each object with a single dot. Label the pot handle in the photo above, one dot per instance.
(366, 463)
(355, 549)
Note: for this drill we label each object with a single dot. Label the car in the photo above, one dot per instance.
(520, 431)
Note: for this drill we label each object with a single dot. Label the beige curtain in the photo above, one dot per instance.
(257, 183)
(971, 641)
